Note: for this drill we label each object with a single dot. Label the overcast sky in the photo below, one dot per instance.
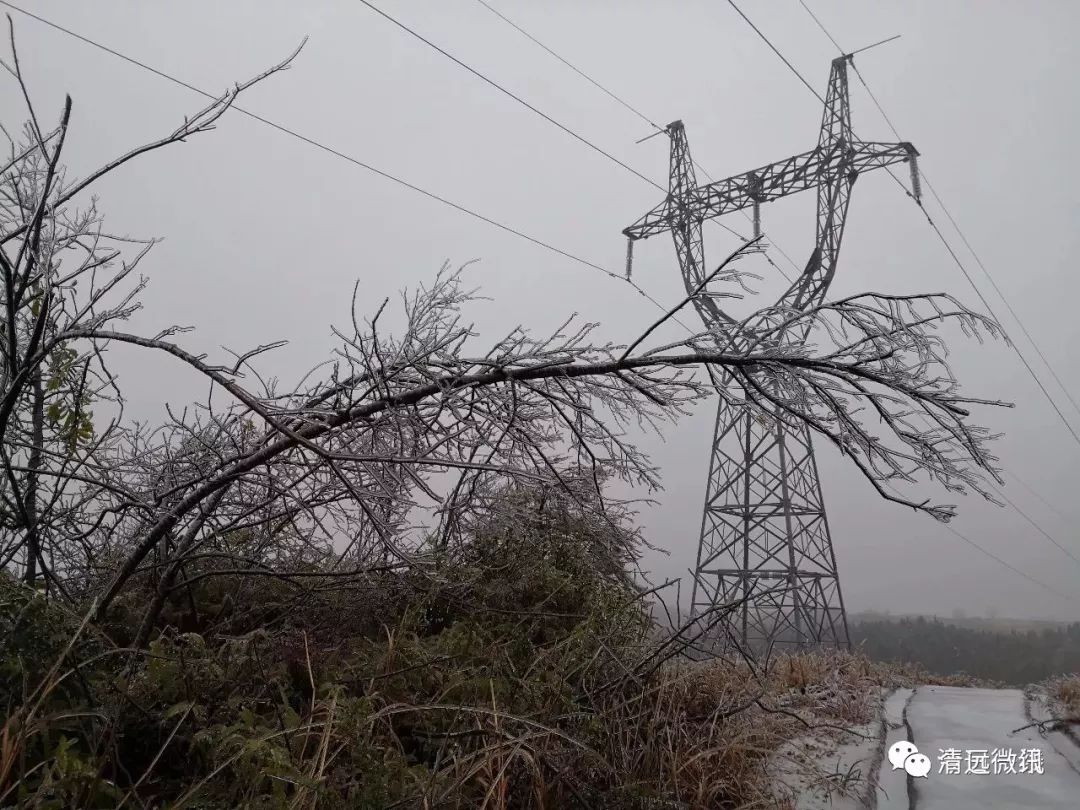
(265, 236)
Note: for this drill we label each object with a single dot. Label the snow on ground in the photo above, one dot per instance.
(1063, 739)
(826, 769)
(936, 719)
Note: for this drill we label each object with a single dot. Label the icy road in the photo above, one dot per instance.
(964, 728)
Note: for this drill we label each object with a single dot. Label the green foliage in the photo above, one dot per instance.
(354, 698)
(34, 634)
(506, 674)
(68, 410)
(51, 683)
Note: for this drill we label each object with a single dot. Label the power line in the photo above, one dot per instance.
(786, 62)
(581, 138)
(641, 115)
(510, 94)
(1036, 493)
(896, 134)
(963, 537)
(960, 264)
(966, 539)
(990, 310)
(971, 281)
(1038, 528)
(1008, 306)
(795, 70)
(956, 227)
(1005, 563)
(802, 78)
(783, 58)
(579, 72)
(1025, 515)
(634, 110)
(343, 156)
(1012, 568)
(941, 236)
(825, 31)
(419, 190)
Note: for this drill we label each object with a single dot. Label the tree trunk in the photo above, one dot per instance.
(30, 502)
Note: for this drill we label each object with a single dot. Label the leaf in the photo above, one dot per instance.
(178, 708)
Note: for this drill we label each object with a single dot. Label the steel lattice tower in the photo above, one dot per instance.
(764, 534)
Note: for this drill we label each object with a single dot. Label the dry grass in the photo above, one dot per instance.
(712, 727)
(1058, 702)
(826, 696)
(478, 712)
(1066, 691)
(693, 735)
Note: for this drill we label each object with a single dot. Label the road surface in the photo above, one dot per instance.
(940, 718)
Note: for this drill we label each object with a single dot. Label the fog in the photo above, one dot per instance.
(264, 236)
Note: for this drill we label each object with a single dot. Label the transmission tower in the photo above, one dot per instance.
(765, 542)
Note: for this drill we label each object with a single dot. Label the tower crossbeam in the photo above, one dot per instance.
(768, 183)
(764, 518)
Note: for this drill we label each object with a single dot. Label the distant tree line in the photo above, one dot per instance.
(1012, 657)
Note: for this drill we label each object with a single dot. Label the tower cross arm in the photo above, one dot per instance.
(798, 173)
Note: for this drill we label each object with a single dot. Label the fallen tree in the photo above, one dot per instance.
(261, 510)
